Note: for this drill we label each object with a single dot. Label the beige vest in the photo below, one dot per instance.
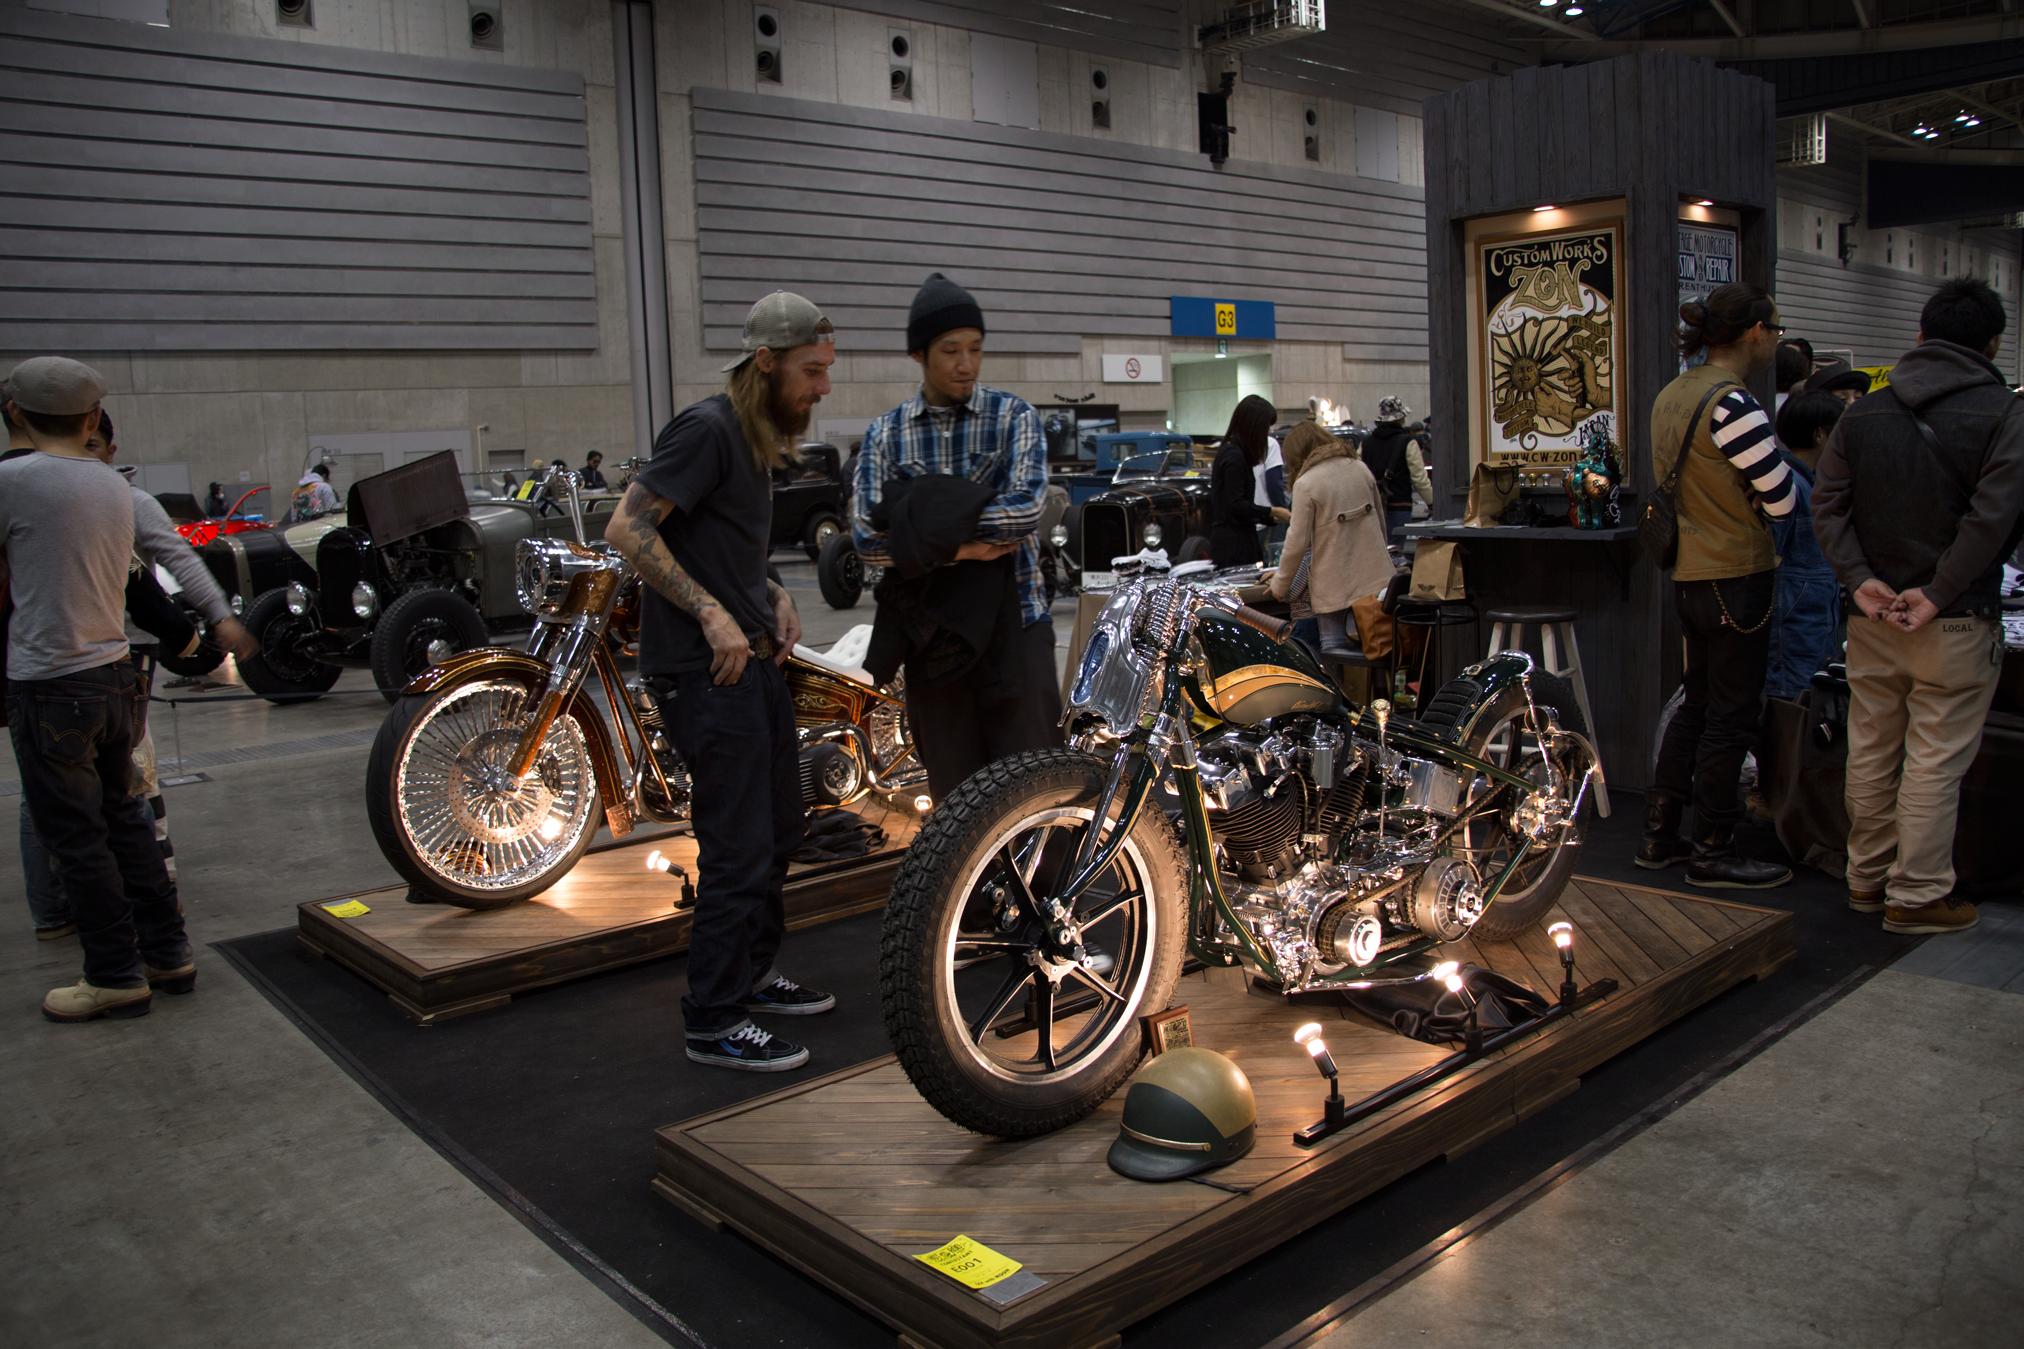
(1722, 533)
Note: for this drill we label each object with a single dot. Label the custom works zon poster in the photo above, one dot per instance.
(1549, 327)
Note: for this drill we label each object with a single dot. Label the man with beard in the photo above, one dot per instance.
(695, 523)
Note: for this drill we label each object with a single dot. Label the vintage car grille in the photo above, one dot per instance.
(1106, 533)
(343, 559)
(223, 564)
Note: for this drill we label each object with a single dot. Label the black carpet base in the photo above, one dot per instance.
(550, 1104)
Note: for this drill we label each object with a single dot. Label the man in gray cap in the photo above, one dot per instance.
(697, 522)
(972, 696)
(67, 529)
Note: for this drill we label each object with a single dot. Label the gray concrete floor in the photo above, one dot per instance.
(205, 1176)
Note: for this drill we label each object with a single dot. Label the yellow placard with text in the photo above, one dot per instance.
(971, 1263)
(1226, 320)
(350, 908)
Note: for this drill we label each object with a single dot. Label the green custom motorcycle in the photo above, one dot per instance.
(1220, 800)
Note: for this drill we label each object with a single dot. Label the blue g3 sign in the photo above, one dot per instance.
(1196, 316)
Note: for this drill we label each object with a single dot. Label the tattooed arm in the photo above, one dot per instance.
(635, 530)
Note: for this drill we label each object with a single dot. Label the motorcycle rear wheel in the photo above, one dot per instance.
(447, 817)
(997, 1028)
(1502, 734)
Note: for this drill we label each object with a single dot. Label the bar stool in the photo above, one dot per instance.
(1556, 630)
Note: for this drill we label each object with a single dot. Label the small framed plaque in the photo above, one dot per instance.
(1167, 1030)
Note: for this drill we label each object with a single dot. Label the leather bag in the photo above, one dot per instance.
(1658, 524)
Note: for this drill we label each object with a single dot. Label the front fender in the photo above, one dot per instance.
(503, 662)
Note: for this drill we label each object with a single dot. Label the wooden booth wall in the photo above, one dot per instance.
(1654, 128)
(1060, 237)
(193, 191)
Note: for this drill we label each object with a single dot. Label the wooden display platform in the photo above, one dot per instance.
(435, 961)
(849, 1176)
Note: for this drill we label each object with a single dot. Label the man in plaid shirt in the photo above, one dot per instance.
(960, 427)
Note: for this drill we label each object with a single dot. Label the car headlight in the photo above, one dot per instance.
(1152, 534)
(238, 605)
(1058, 536)
(365, 601)
(300, 601)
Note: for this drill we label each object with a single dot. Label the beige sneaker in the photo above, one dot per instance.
(1867, 901)
(182, 979)
(55, 931)
(87, 1002)
(1942, 915)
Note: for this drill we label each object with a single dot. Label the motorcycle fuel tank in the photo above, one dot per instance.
(1251, 678)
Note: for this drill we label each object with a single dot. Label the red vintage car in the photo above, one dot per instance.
(200, 532)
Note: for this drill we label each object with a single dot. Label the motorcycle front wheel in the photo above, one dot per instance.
(450, 817)
(1007, 1021)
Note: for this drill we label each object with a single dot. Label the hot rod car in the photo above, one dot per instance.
(1156, 501)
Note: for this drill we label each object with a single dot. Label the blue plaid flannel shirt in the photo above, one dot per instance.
(964, 440)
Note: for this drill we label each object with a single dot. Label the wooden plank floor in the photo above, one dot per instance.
(850, 1176)
(436, 960)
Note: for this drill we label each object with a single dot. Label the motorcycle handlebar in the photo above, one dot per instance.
(1278, 629)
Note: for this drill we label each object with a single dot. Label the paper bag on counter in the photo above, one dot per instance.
(1490, 491)
(1437, 571)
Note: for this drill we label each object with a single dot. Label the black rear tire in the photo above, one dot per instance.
(283, 672)
(945, 916)
(1540, 881)
(840, 573)
(1194, 548)
(420, 629)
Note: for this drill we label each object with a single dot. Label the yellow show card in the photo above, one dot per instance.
(350, 908)
(971, 1263)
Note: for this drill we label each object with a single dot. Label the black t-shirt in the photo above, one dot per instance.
(718, 531)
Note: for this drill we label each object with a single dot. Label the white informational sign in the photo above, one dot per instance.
(1707, 259)
(1133, 369)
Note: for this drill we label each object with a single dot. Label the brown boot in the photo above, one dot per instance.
(1942, 915)
(1867, 901)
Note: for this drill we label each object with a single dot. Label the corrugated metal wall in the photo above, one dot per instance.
(1382, 54)
(1873, 311)
(195, 191)
(1058, 236)
(1138, 30)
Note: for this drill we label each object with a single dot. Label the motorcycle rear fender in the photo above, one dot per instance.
(502, 662)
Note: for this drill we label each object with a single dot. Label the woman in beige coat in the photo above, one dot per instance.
(1338, 516)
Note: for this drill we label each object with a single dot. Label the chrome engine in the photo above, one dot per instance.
(1331, 845)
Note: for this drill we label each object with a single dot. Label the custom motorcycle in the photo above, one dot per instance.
(1219, 800)
(493, 769)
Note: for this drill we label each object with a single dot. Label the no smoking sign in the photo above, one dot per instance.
(1133, 369)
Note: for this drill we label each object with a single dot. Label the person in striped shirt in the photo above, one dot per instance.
(1732, 481)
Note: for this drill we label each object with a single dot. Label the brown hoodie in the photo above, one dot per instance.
(1886, 506)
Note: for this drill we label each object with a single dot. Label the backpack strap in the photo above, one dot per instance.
(1932, 439)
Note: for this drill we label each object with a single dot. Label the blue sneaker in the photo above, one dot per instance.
(784, 997)
(748, 1049)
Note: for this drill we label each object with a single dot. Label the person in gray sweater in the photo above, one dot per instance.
(67, 530)
(1917, 503)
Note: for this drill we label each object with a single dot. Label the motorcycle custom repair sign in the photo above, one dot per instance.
(1549, 325)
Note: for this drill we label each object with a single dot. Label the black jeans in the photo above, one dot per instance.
(745, 803)
(955, 735)
(1702, 755)
(74, 740)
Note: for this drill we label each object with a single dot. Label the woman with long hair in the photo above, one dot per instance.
(1235, 515)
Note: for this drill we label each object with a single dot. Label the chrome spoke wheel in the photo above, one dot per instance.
(468, 820)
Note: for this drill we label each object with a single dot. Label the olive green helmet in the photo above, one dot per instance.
(1188, 1111)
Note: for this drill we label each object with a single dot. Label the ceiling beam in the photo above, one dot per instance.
(1728, 18)
(1987, 109)
(1842, 42)
(1533, 16)
(1871, 129)
(1861, 15)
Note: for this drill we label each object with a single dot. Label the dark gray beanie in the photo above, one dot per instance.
(939, 305)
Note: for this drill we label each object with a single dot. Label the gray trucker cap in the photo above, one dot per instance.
(780, 322)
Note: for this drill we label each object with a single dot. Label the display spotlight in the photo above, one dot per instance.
(1563, 938)
(1333, 1107)
(1704, 202)
(661, 862)
(1573, 10)
(1540, 210)
(1548, 4)
(1308, 1037)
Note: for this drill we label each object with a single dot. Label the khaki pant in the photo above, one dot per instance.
(1916, 705)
